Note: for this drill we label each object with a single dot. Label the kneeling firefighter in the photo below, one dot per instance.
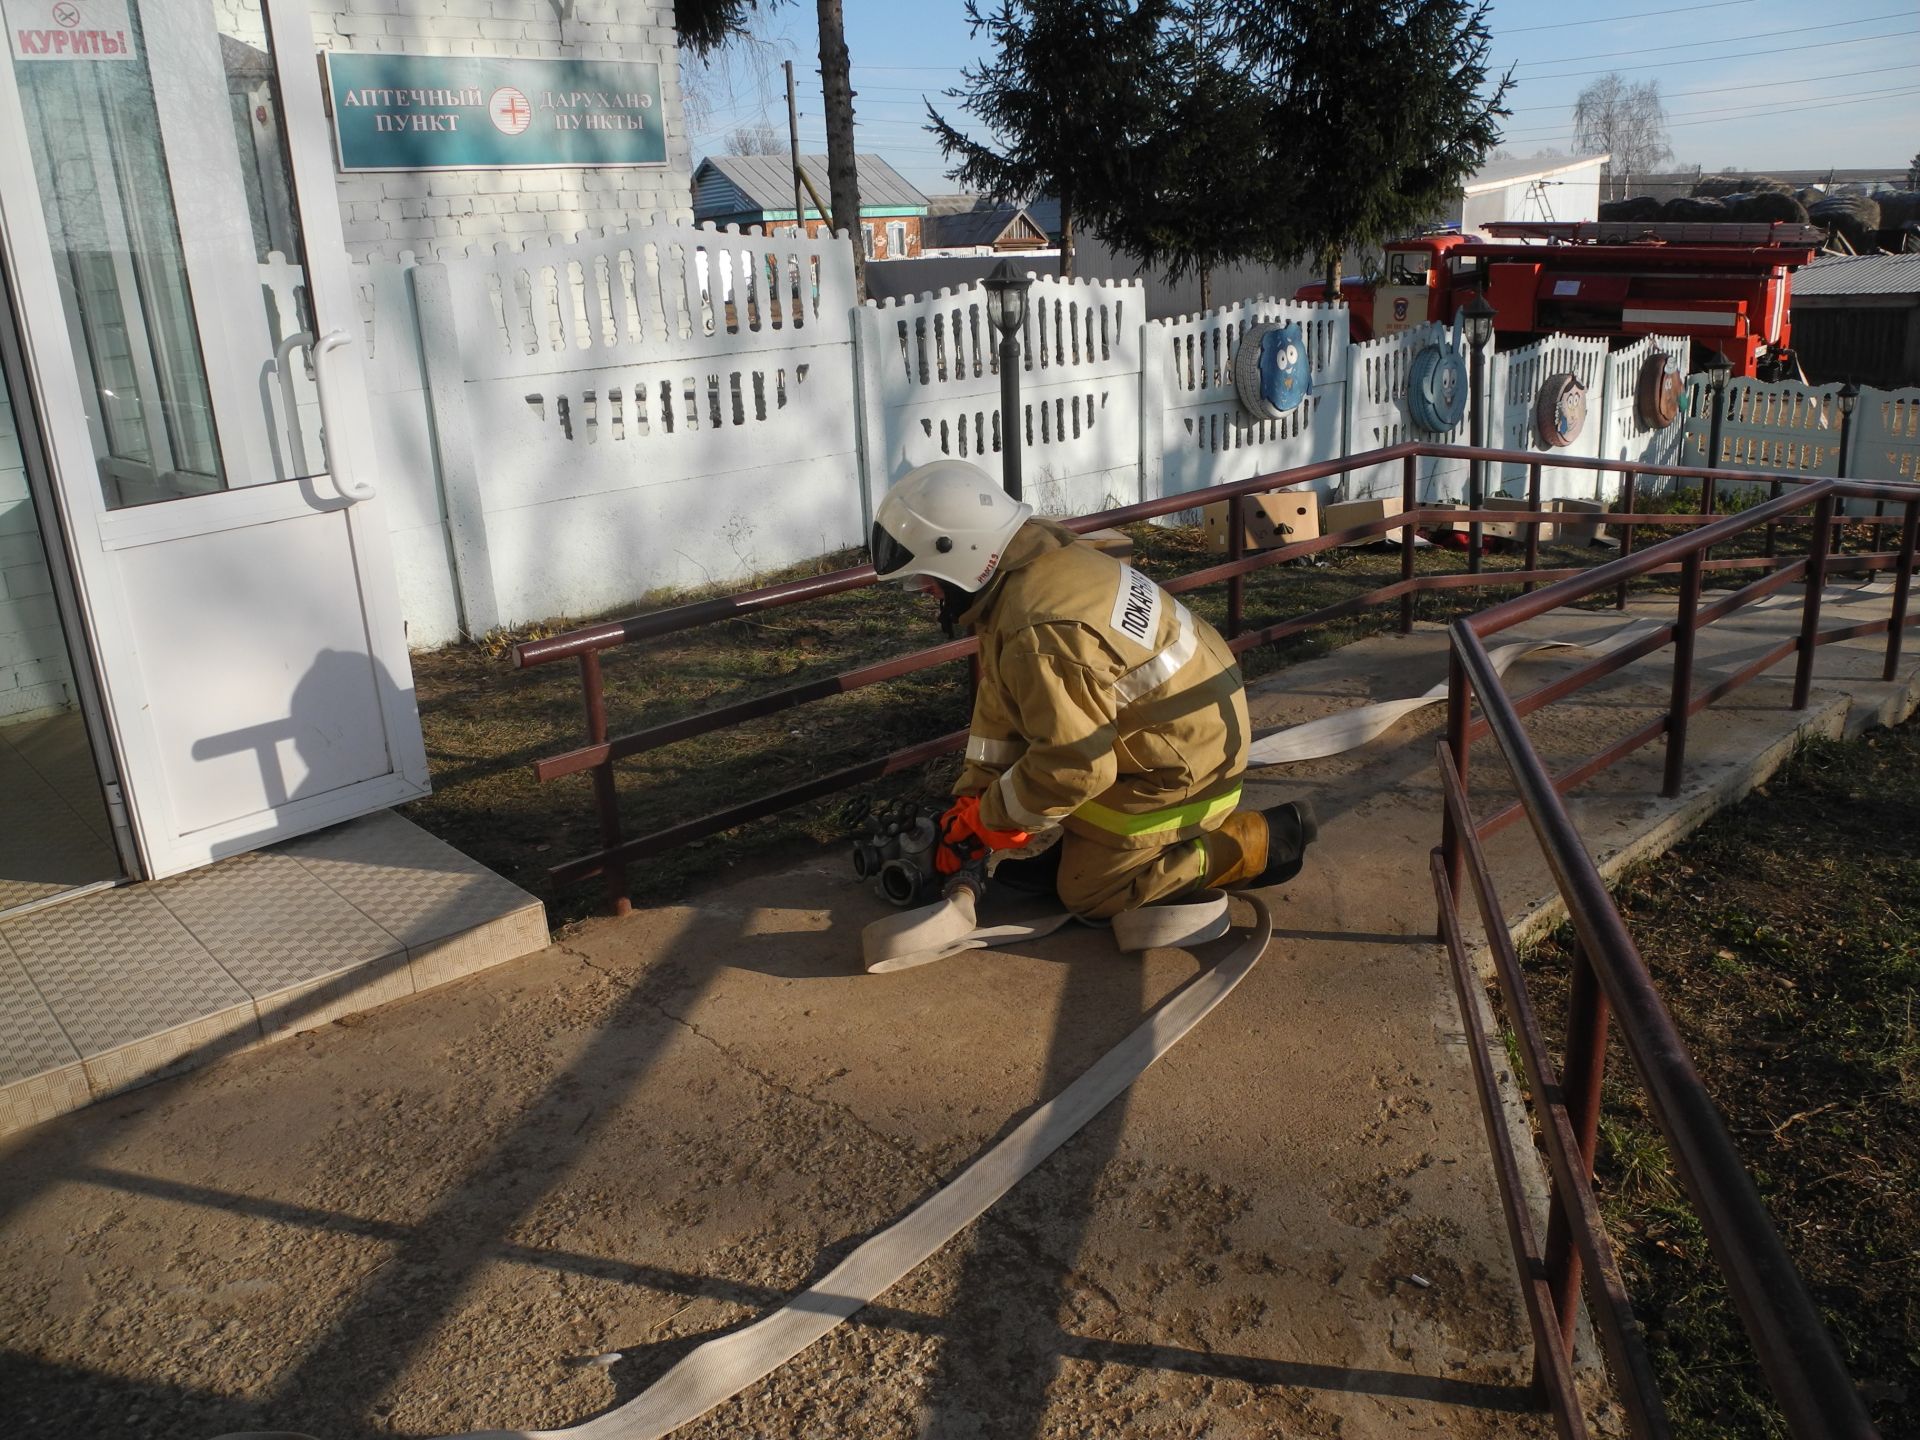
(1105, 708)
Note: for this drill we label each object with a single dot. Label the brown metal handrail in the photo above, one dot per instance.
(601, 750)
(1610, 979)
(1808, 1378)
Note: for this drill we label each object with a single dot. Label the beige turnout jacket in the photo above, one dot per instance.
(1104, 704)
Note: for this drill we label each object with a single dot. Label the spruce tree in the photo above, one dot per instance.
(1373, 113)
(1066, 94)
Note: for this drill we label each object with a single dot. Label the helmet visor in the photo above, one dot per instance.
(888, 554)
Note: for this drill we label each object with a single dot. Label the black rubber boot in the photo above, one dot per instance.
(1291, 828)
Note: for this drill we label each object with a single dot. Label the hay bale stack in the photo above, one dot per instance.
(1898, 208)
(1634, 207)
(1856, 217)
(1693, 207)
(1719, 187)
(1765, 206)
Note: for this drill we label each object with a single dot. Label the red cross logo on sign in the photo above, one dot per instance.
(510, 110)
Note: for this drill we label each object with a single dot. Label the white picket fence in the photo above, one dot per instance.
(565, 428)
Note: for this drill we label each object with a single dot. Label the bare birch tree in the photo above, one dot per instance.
(1628, 122)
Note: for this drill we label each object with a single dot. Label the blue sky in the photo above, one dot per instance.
(1756, 84)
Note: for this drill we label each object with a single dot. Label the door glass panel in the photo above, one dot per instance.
(54, 831)
(177, 247)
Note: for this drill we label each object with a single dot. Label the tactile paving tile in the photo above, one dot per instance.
(31, 1040)
(116, 967)
(271, 923)
(413, 886)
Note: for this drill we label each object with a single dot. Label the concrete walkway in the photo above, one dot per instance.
(433, 1217)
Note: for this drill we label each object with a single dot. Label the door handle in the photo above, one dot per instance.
(322, 370)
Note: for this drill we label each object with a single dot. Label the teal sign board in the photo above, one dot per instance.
(432, 112)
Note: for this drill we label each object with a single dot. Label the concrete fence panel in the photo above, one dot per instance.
(1885, 440)
(1379, 414)
(930, 386)
(1194, 431)
(1623, 434)
(1514, 382)
(668, 406)
(1786, 427)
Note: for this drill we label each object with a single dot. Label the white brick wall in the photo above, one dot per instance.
(34, 675)
(455, 209)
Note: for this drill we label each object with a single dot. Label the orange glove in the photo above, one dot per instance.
(964, 836)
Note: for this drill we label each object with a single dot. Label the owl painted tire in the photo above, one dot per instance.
(1270, 371)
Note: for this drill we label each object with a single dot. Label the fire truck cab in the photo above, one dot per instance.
(1725, 285)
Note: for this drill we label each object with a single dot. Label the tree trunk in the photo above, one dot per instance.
(836, 92)
(1066, 236)
(1330, 267)
(1206, 287)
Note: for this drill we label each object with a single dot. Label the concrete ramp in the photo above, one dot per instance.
(516, 1201)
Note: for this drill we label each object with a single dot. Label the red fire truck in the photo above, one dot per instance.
(1725, 285)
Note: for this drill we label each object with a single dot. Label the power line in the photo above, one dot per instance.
(1734, 40)
(1751, 115)
(1769, 84)
(1742, 55)
(1755, 107)
(1613, 19)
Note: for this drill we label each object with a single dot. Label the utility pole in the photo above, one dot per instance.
(793, 140)
(836, 91)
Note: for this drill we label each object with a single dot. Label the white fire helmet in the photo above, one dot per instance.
(950, 520)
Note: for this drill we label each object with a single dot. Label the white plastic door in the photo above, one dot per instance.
(172, 238)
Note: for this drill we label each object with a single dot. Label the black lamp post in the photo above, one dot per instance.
(1006, 291)
(1477, 318)
(1849, 398)
(1718, 373)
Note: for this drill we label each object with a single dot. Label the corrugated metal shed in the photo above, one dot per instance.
(747, 187)
(1859, 275)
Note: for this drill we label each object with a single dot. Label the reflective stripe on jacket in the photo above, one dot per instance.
(1104, 703)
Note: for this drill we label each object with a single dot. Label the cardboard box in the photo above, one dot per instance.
(1345, 514)
(1502, 529)
(1269, 521)
(1114, 542)
(1577, 532)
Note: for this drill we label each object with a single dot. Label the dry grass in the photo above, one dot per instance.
(486, 723)
(1785, 938)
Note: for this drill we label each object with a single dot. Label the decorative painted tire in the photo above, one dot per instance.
(1560, 412)
(1656, 395)
(1270, 370)
(1437, 389)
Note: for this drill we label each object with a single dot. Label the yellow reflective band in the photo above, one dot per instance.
(1179, 817)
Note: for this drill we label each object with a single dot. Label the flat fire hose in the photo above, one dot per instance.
(1350, 729)
(721, 1368)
